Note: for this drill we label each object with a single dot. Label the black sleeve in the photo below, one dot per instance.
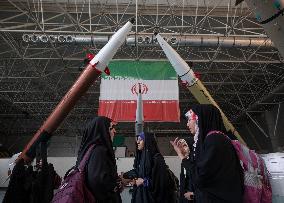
(189, 167)
(187, 164)
(132, 174)
(101, 174)
(159, 179)
(210, 162)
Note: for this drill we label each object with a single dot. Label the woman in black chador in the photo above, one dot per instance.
(216, 170)
(101, 170)
(151, 173)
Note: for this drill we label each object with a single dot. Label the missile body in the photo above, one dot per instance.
(139, 114)
(85, 80)
(270, 16)
(194, 85)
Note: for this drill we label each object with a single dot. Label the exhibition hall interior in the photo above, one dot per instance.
(144, 64)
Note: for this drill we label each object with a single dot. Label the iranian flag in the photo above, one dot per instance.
(159, 87)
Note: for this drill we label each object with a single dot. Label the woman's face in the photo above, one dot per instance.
(191, 123)
(191, 126)
(140, 143)
(112, 130)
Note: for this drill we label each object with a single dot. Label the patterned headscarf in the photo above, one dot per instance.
(190, 115)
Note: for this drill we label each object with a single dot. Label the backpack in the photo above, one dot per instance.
(257, 188)
(73, 189)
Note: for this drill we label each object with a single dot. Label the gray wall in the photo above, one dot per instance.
(267, 136)
(67, 146)
(266, 133)
(275, 123)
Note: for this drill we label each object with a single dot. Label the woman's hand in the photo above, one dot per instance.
(178, 148)
(132, 182)
(185, 150)
(124, 181)
(189, 195)
(139, 181)
(120, 186)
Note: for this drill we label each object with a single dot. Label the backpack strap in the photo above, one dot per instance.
(244, 149)
(215, 132)
(67, 173)
(85, 158)
(246, 152)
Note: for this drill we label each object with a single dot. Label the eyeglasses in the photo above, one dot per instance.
(112, 125)
(111, 128)
(139, 139)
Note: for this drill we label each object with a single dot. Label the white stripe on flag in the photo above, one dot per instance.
(127, 89)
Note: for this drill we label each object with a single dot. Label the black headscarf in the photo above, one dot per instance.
(147, 154)
(209, 119)
(96, 132)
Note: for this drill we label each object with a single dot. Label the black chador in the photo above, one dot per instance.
(217, 174)
(28, 186)
(150, 165)
(101, 170)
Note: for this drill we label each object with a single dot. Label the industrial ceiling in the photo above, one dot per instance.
(43, 44)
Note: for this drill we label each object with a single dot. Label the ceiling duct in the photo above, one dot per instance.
(140, 39)
(61, 38)
(26, 38)
(69, 38)
(43, 38)
(34, 38)
(148, 40)
(52, 38)
(173, 40)
(204, 41)
(89, 39)
(213, 41)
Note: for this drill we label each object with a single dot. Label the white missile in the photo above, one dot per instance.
(194, 85)
(86, 79)
(270, 14)
(108, 51)
(139, 113)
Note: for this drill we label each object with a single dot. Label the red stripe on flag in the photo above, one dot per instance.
(154, 110)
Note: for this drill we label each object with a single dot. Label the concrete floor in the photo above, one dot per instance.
(126, 196)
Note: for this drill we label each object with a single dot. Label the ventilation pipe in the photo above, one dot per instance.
(149, 40)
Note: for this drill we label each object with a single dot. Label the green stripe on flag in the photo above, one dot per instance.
(146, 70)
(118, 141)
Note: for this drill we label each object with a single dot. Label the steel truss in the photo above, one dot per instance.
(35, 76)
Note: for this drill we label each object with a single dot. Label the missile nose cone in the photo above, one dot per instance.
(155, 33)
(132, 20)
